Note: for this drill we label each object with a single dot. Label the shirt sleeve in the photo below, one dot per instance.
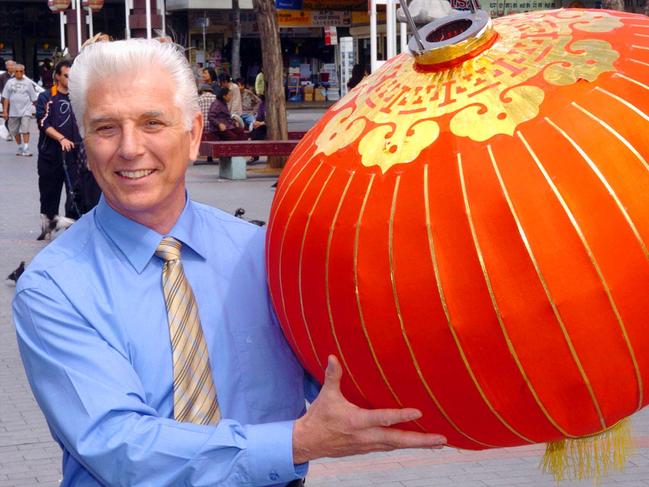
(45, 121)
(32, 94)
(41, 103)
(96, 407)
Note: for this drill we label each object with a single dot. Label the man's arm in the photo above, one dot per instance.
(46, 123)
(41, 105)
(97, 407)
(5, 108)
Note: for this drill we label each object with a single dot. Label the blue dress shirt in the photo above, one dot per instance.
(93, 335)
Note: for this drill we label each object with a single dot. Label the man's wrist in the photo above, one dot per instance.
(61, 139)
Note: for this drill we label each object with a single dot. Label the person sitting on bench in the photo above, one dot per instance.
(259, 125)
(222, 125)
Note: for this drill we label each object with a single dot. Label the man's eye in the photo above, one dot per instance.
(104, 128)
(154, 123)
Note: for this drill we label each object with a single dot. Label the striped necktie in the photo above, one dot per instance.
(194, 392)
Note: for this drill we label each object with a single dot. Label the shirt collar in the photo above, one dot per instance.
(138, 242)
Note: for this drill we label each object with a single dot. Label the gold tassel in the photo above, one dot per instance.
(590, 457)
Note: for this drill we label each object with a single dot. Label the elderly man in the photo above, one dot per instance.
(18, 98)
(10, 66)
(146, 329)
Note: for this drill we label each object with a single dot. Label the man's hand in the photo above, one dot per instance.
(5, 115)
(66, 145)
(221, 127)
(334, 427)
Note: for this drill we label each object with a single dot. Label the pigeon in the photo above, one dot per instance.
(18, 272)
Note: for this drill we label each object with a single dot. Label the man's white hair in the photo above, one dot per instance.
(103, 60)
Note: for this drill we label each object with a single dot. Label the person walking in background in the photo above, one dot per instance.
(10, 66)
(222, 126)
(60, 154)
(46, 75)
(206, 97)
(249, 104)
(18, 98)
(260, 83)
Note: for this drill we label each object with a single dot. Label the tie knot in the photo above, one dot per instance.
(169, 249)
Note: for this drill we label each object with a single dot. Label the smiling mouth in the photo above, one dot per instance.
(135, 174)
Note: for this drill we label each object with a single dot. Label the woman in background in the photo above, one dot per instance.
(222, 126)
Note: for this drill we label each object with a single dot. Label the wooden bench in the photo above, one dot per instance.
(232, 153)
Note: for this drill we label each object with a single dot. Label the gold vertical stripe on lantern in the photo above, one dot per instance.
(358, 298)
(334, 333)
(299, 273)
(503, 328)
(546, 289)
(589, 251)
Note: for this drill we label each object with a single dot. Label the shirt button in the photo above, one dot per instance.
(273, 476)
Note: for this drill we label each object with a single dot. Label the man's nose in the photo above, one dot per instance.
(131, 144)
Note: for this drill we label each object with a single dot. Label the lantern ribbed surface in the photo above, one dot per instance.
(472, 241)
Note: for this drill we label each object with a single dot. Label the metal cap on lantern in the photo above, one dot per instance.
(468, 231)
(58, 6)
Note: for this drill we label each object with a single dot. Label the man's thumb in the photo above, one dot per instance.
(333, 373)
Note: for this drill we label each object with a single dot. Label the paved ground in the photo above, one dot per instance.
(28, 457)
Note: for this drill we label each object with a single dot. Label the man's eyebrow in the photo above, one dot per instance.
(152, 114)
(97, 120)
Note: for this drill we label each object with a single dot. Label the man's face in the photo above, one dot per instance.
(138, 147)
(62, 79)
(11, 67)
(19, 73)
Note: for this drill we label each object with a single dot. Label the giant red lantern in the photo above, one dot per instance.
(467, 230)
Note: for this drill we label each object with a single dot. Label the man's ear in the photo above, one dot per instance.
(195, 134)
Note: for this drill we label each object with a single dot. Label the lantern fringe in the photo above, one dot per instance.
(591, 457)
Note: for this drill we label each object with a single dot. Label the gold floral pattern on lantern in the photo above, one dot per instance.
(399, 111)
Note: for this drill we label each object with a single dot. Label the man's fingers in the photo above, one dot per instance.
(389, 417)
(386, 438)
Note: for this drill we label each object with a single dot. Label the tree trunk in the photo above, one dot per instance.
(613, 5)
(236, 41)
(273, 68)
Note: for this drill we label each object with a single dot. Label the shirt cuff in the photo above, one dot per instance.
(270, 453)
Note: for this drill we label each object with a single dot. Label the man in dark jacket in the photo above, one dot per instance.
(61, 159)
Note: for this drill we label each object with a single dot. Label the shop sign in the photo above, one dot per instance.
(330, 35)
(335, 5)
(497, 8)
(288, 4)
(294, 18)
(323, 18)
(363, 18)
